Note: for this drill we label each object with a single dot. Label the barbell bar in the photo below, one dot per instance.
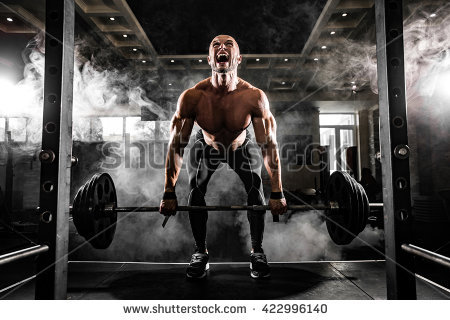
(220, 208)
(295, 207)
(95, 209)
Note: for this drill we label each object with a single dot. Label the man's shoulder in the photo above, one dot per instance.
(256, 97)
(202, 85)
(192, 95)
(251, 89)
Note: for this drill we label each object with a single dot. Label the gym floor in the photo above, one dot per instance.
(359, 275)
(358, 280)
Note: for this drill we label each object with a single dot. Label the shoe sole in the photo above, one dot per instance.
(258, 277)
(199, 277)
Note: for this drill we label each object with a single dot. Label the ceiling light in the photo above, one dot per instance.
(283, 83)
(134, 49)
(112, 18)
(170, 84)
(172, 61)
(286, 60)
(9, 19)
(344, 14)
(353, 82)
(332, 32)
(316, 59)
(124, 35)
(324, 47)
(143, 61)
(432, 15)
(200, 60)
(257, 59)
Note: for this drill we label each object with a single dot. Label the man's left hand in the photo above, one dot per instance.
(278, 206)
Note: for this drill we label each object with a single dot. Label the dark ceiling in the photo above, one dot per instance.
(259, 26)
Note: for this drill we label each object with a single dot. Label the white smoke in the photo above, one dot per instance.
(96, 92)
(426, 52)
(101, 92)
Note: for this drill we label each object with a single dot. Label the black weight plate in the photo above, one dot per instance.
(346, 209)
(90, 215)
(86, 208)
(100, 226)
(366, 207)
(361, 206)
(338, 190)
(76, 212)
(331, 194)
(358, 207)
(363, 213)
(103, 193)
(354, 215)
(111, 197)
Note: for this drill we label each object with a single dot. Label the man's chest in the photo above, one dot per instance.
(232, 113)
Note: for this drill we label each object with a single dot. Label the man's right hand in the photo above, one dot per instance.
(168, 207)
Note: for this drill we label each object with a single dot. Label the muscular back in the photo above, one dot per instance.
(223, 116)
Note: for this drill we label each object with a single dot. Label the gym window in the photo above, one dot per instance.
(337, 131)
(2, 129)
(17, 127)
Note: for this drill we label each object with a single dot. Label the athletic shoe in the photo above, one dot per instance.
(198, 266)
(259, 268)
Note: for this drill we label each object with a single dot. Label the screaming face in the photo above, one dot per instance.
(224, 54)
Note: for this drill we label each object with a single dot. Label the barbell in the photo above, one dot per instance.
(94, 209)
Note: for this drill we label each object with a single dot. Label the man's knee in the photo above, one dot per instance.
(196, 197)
(255, 197)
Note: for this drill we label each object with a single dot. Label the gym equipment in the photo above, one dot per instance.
(95, 209)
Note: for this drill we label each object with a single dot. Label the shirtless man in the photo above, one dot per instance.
(223, 106)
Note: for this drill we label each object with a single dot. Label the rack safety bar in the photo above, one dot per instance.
(429, 255)
(23, 253)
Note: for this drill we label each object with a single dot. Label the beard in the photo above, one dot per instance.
(222, 70)
(232, 66)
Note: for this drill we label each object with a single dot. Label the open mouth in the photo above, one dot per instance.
(222, 58)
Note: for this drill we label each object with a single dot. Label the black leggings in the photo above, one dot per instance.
(246, 162)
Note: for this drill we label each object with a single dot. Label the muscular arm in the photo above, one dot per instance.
(180, 131)
(265, 133)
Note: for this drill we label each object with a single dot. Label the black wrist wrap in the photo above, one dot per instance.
(276, 195)
(169, 195)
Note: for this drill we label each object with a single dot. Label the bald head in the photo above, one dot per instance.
(224, 54)
(223, 38)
